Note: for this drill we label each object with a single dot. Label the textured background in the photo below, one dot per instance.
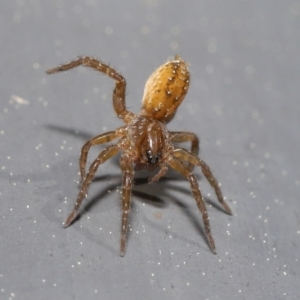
(244, 104)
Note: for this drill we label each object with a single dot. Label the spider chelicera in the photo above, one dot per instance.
(144, 140)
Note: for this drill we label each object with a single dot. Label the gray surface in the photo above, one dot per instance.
(244, 104)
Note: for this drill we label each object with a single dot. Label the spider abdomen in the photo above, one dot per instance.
(165, 89)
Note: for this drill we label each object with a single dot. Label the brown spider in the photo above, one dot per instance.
(145, 140)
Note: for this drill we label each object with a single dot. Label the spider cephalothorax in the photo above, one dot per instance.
(144, 141)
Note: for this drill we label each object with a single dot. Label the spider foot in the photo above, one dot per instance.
(70, 219)
(226, 208)
(123, 245)
(211, 243)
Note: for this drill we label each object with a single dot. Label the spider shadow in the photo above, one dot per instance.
(193, 215)
(156, 201)
(77, 133)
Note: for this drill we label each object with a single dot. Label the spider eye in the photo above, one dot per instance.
(152, 159)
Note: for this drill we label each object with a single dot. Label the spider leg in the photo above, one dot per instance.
(182, 136)
(120, 89)
(97, 140)
(127, 182)
(178, 165)
(193, 159)
(103, 156)
(159, 174)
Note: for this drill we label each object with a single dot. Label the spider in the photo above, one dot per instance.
(144, 140)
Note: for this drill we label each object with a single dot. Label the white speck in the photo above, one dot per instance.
(44, 280)
(228, 80)
(57, 42)
(249, 70)
(267, 155)
(36, 65)
(108, 30)
(19, 100)
(255, 114)
(294, 8)
(209, 69)
(212, 45)
(174, 45)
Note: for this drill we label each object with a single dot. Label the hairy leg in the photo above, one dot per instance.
(183, 169)
(100, 139)
(103, 156)
(182, 136)
(120, 89)
(192, 159)
(127, 182)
